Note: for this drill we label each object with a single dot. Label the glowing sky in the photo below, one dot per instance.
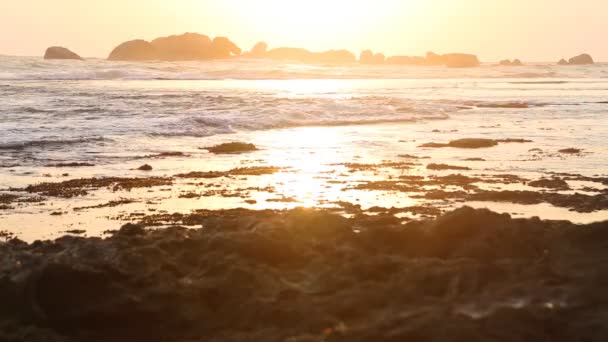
(538, 30)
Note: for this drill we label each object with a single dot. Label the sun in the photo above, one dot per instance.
(313, 23)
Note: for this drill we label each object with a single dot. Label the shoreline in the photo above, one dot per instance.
(300, 171)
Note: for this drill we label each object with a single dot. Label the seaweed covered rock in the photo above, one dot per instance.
(232, 147)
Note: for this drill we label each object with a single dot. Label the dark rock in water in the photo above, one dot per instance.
(452, 60)
(406, 60)
(57, 52)
(460, 60)
(507, 62)
(145, 167)
(305, 56)
(434, 59)
(258, 51)
(515, 105)
(446, 167)
(368, 57)
(512, 140)
(473, 143)
(188, 46)
(434, 145)
(336, 57)
(470, 275)
(570, 151)
(73, 164)
(223, 48)
(550, 183)
(233, 147)
(185, 47)
(581, 60)
(135, 50)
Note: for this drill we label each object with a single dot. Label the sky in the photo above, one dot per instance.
(532, 30)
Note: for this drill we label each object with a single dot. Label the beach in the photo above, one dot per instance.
(360, 203)
(328, 135)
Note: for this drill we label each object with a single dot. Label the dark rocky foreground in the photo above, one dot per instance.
(307, 275)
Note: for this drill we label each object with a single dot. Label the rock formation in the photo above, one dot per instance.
(508, 62)
(222, 48)
(368, 57)
(406, 60)
(460, 60)
(452, 60)
(185, 47)
(57, 52)
(434, 59)
(188, 46)
(305, 56)
(194, 46)
(258, 51)
(583, 59)
(134, 50)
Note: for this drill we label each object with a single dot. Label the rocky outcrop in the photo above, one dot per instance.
(584, 59)
(188, 46)
(368, 57)
(452, 60)
(581, 60)
(58, 52)
(309, 275)
(433, 59)
(222, 48)
(508, 62)
(134, 50)
(258, 51)
(460, 60)
(185, 47)
(406, 60)
(305, 56)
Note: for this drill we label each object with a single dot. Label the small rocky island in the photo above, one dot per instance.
(185, 47)
(58, 52)
(583, 59)
(199, 47)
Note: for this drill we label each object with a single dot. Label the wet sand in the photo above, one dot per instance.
(520, 170)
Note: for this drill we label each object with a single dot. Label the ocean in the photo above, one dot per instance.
(309, 119)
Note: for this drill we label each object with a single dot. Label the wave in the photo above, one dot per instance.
(28, 68)
(539, 82)
(45, 143)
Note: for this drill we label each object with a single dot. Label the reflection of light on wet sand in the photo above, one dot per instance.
(542, 210)
(309, 156)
